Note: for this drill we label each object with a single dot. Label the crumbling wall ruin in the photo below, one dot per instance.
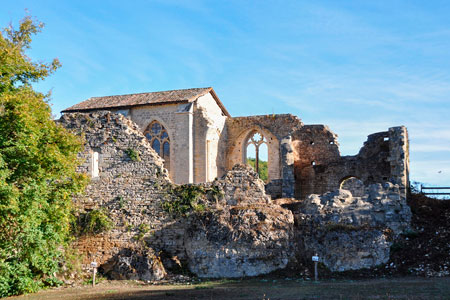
(277, 129)
(319, 168)
(239, 234)
(243, 232)
(130, 184)
(305, 159)
(350, 232)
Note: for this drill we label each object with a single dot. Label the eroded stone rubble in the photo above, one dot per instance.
(352, 232)
(244, 234)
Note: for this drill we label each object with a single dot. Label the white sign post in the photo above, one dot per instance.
(94, 271)
(315, 259)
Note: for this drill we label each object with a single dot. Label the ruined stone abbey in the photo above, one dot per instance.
(199, 141)
(140, 149)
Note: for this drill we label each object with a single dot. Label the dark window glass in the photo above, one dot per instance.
(156, 146)
(166, 149)
(156, 128)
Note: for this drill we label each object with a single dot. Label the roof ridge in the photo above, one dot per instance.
(151, 92)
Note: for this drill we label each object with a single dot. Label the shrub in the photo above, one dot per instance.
(133, 154)
(93, 222)
(143, 229)
(187, 198)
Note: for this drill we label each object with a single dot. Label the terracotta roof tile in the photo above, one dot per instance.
(154, 98)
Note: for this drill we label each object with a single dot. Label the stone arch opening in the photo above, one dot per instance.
(352, 184)
(256, 154)
(237, 153)
(159, 140)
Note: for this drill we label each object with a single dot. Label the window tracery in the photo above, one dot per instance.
(259, 143)
(159, 140)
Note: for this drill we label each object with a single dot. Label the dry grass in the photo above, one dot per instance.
(396, 288)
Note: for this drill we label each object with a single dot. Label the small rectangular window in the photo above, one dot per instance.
(94, 158)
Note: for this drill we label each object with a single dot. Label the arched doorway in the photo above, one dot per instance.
(159, 140)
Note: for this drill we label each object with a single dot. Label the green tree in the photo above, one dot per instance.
(263, 171)
(38, 160)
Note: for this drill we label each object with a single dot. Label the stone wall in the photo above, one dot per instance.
(399, 157)
(177, 119)
(197, 137)
(130, 191)
(305, 159)
(209, 151)
(319, 168)
(277, 130)
(239, 232)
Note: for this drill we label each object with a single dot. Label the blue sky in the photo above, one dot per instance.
(357, 66)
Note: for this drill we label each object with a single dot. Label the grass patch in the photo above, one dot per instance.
(393, 288)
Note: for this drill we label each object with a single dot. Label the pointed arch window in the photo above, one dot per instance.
(257, 154)
(159, 140)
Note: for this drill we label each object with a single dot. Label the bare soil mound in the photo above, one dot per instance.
(425, 250)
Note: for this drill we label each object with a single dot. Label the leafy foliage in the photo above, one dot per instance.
(142, 229)
(263, 171)
(93, 222)
(38, 160)
(189, 198)
(133, 154)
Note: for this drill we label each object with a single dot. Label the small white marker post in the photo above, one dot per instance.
(315, 259)
(94, 271)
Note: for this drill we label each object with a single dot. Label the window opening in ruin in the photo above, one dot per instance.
(354, 185)
(313, 163)
(258, 154)
(94, 160)
(386, 139)
(159, 140)
(331, 143)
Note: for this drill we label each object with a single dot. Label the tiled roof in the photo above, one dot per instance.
(154, 98)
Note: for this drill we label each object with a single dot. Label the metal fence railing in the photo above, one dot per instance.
(435, 190)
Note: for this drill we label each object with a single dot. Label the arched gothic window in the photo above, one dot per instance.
(257, 154)
(159, 140)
